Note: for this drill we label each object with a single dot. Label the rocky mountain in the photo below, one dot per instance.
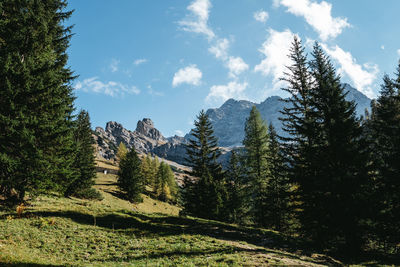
(228, 122)
(144, 139)
(229, 119)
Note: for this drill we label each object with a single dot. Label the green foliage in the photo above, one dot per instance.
(385, 153)
(236, 189)
(130, 178)
(122, 151)
(278, 186)
(149, 168)
(165, 187)
(84, 163)
(36, 98)
(204, 197)
(257, 165)
(323, 152)
(88, 193)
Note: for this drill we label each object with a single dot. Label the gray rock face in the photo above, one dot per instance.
(146, 127)
(229, 120)
(143, 140)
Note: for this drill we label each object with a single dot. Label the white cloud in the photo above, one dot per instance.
(382, 47)
(179, 133)
(236, 65)
(198, 20)
(140, 61)
(261, 16)
(153, 92)
(363, 76)
(276, 51)
(190, 75)
(113, 89)
(220, 93)
(220, 49)
(114, 65)
(318, 15)
(398, 52)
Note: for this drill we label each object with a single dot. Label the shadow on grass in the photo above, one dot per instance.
(141, 225)
(26, 265)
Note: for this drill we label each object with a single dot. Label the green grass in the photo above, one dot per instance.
(55, 231)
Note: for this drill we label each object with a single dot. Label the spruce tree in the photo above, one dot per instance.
(257, 165)
(204, 197)
(130, 178)
(332, 195)
(36, 100)
(85, 160)
(235, 187)
(278, 187)
(385, 124)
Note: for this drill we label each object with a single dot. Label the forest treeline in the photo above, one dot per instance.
(333, 179)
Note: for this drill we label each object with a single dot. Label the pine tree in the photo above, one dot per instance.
(85, 159)
(146, 169)
(385, 124)
(234, 176)
(204, 198)
(36, 99)
(130, 178)
(332, 195)
(122, 151)
(278, 187)
(257, 165)
(166, 188)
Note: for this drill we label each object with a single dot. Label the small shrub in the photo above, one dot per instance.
(89, 193)
(20, 209)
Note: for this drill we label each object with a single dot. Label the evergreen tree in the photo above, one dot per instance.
(385, 124)
(332, 196)
(204, 197)
(85, 159)
(257, 165)
(278, 187)
(122, 151)
(130, 178)
(36, 100)
(166, 188)
(235, 204)
(146, 168)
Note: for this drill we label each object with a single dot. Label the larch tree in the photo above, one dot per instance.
(257, 165)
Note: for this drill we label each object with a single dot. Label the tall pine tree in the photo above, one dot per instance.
(385, 124)
(204, 197)
(36, 100)
(85, 160)
(130, 178)
(332, 195)
(257, 166)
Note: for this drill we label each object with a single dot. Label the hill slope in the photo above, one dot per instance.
(57, 232)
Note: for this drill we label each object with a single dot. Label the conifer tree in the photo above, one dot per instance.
(85, 159)
(385, 124)
(257, 165)
(235, 187)
(36, 99)
(204, 197)
(146, 168)
(130, 178)
(332, 195)
(166, 188)
(278, 187)
(122, 151)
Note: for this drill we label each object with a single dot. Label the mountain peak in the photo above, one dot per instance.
(146, 128)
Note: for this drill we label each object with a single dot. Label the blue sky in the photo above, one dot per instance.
(167, 60)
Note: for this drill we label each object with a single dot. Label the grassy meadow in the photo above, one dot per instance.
(56, 231)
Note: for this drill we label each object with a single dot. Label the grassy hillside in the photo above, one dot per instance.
(55, 231)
